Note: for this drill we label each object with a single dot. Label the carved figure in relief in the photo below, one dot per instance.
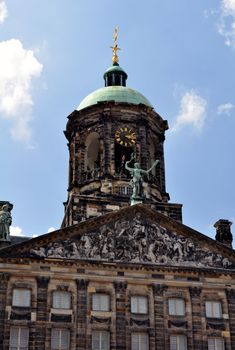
(137, 176)
(5, 222)
(136, 240)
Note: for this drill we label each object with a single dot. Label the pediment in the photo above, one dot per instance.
(138, 235)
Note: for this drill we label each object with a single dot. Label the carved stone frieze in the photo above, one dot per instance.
(82, 284)
(140, 323)
(120, 286)
(195, 291)
(137, 241)
(231, 294)
(43, 281)
(177, 324)
(4, 277)
(105, 320)
(159, 289)
(215, 324)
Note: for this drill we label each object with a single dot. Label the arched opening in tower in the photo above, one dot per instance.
(92, 155)
(122, 155)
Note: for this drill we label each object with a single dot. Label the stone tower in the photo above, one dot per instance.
(108, 126)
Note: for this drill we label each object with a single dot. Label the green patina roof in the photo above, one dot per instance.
(114, 93)
(114, 69)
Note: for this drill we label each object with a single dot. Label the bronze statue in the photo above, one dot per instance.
(137, 177)
(5, 222)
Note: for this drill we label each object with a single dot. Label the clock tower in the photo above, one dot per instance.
(108, 126)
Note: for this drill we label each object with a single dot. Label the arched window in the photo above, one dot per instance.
(92, 156)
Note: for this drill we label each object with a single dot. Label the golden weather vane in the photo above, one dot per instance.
(115, 47)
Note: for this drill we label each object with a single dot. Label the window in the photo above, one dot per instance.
(215, 344)
(100, 340)
(139, 341)
(60, 339)
(213, 309)
(19, 338)
(176, 307)
(178, 342)
(124, 190)
(139, 305)
(21, 297)
(100, 302)
(61, 300)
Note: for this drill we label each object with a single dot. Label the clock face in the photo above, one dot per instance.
(125, 137)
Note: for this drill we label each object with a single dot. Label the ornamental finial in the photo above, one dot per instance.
(115, 47)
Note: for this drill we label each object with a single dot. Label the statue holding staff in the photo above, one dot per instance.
(137, 177)
(5, 222)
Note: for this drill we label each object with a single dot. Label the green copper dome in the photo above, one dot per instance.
(114, 93)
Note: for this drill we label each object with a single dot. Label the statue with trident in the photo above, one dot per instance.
(137, 178)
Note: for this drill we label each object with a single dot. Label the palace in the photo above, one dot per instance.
(123, 271)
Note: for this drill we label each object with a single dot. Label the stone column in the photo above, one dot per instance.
(158, 291)
(120, 288)
(81, 341)
(4, 278)
(42, 316)
(231, 312)
(195, 293)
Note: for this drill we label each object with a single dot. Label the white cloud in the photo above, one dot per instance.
(226, 26)
(18, 67)
(225, 108)
(3, 11)
(51, 229)
(16, 231)
(192, 111)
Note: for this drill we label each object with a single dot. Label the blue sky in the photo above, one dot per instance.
(179, 54)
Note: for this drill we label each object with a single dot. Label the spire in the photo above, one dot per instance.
(115, 75)
(115, 47)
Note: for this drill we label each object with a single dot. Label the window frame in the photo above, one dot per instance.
(54, 301)
(140, 334)
(100, 295)
(100, 333)
(60, 337)
(138, 298)
(210, 312)
(175, 311)
(178, 343)
(215, 345)
(21, 304)
(19, 345)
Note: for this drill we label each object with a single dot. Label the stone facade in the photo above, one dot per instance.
(62, 267)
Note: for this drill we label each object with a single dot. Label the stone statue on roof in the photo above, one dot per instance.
(137, 179)
(5, 222)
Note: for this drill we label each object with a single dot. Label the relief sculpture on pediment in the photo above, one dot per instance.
(133, 241)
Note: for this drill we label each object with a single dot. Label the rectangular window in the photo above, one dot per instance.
(176, 306)
(19, 338)
(100, 302)
(100, 340)
(124, 190)
(139, 341)
(21, 297)
(215, 343)
(61, 300)
(139, 305)
(213, 309)
(60, 339)
(178, 342)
